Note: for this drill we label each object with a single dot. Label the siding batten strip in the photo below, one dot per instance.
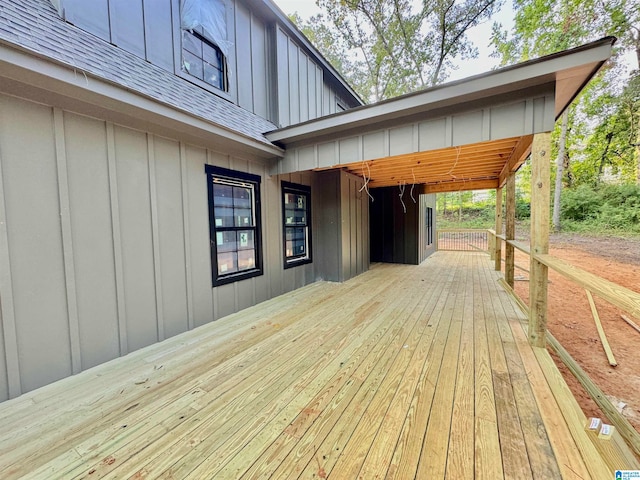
(67, 242)
(155, 235)
(6, 304)
(187, 234)
(117, 239)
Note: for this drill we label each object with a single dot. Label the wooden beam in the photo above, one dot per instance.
(520, 152)
(460, 186)
(540, 204)
(520, 246)
(622, 297)
(509, 263)
(498, 244)
(601, 334)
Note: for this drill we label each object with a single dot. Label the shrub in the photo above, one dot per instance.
(580, 204)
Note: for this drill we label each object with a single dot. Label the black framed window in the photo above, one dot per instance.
(204, 60)
(234, 224)
(429, 225)
(296, 214)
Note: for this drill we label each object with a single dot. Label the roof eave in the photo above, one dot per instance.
(45, 74)
(573, 67)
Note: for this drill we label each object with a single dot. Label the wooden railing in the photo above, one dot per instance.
(621, 297)
(461, 239)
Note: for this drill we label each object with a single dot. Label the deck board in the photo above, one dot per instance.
(402, 372)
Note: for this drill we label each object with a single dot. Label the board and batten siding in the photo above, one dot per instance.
(270, 74)
(104, 242)
(304, 93)
(341, 210)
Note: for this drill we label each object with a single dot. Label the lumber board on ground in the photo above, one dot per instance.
(631, 323)
(601, 334)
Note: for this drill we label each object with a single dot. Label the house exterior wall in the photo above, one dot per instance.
(398, 227)
(270, 72)
(426, 241)
(105, 247)
(394, 226)
(342, 239)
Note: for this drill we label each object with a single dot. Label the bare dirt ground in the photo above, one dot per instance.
(572, 323)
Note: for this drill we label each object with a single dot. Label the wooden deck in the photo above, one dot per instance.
(403, 372)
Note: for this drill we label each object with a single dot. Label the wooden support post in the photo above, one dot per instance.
(498, 246)
(509, 264)
(540, 203)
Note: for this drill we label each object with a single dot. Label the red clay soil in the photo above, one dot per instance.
(571, 322)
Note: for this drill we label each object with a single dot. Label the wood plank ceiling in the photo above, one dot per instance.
(475, 166)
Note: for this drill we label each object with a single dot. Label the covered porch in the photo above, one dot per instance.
(402, 372)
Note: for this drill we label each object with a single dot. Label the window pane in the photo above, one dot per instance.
(211, 56)
(192, 44)
(227, 263)
(245, 240)
(222, 195)
(289, 200)
(246, 259)
(242, 197)
(242, 218)
(296, 242)
(212, 76)
(224, 217)
(192, 64)
(226, 241)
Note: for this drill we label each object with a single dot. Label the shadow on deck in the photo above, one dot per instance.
(403, 372)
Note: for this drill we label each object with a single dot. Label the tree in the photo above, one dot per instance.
(546, 26)
(386, 48)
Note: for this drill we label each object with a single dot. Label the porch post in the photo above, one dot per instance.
(540, 203)
(509, 264)
(498, 246)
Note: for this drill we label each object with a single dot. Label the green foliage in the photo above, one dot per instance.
(580, 204)
(602, 133)
(385, 48)
(610, 208)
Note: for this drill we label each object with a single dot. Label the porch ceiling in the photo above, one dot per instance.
(474, 166)
(464, 135)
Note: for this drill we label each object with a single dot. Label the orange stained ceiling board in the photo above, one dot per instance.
(462, 166)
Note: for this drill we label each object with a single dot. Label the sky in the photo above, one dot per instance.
(480, 35)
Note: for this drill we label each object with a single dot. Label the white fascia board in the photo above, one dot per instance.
(59, 78)
(528, 74)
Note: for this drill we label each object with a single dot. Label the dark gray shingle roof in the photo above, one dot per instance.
(35, 26)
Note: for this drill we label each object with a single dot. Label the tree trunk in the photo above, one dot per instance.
(638, 154)
(559, 171)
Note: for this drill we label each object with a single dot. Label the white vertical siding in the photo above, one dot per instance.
(34, 240)
(88, 174)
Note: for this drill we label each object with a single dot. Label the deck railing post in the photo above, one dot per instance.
(509, 251)
(540, 203)
(498, 245)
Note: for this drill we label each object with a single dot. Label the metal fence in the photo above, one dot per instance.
(463, 240)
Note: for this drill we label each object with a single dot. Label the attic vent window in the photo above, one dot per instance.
(205, 47)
